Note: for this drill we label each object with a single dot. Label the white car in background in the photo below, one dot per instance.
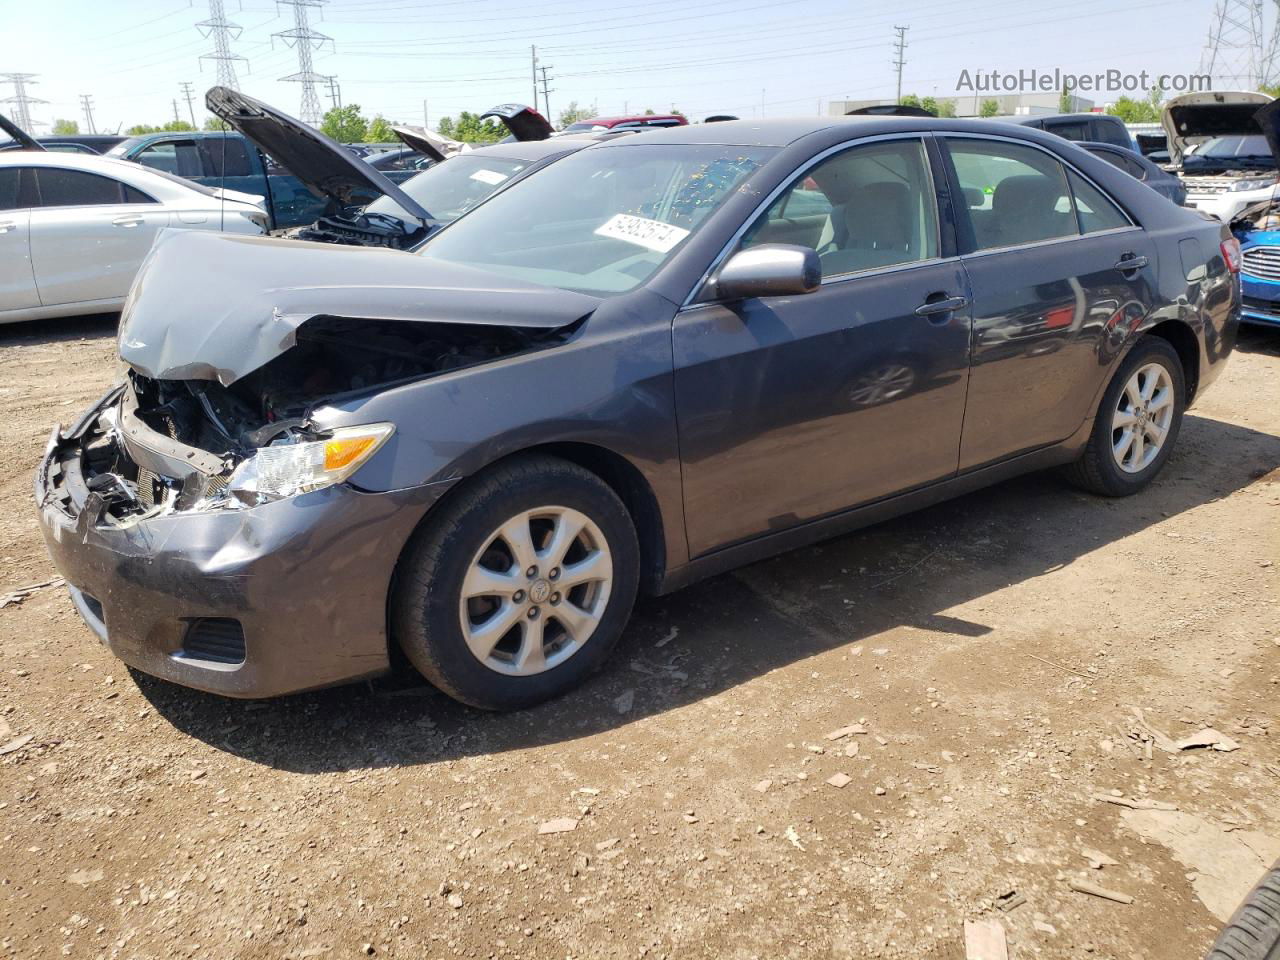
(75, 228)
(1219, 151)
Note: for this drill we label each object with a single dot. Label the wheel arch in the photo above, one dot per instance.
(1183, 339)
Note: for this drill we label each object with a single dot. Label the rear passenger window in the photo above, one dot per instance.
(1095, 210)
(9, 180)
(74, 188)
(869, 207)
(1071, 130)
(179, 157)
(1014, 194)
(224, 157)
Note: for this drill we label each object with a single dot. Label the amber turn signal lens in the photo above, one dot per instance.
(343, 452)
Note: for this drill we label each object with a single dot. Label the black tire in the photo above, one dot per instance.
(1253, 933)
(1097, 470)
(425, 603)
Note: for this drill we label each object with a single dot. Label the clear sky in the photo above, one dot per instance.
(741, 57)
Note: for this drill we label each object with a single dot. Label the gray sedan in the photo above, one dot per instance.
(660, 358)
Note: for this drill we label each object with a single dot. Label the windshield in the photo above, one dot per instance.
(449, 189)
(602, 220)
(1228, 148)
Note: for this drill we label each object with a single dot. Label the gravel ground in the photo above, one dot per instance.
(988, 654)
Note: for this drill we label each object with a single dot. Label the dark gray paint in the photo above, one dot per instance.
(255, 295)
(734, 418)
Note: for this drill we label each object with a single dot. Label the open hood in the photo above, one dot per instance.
(216, 306)
(427, 142)
(525, 123)
(1268, 118)
(326, 167)
(18, 134)
(1196, 117)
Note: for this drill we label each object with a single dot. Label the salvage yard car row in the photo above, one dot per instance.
(631, 361)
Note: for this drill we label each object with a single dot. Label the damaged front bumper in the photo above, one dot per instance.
(259, 601)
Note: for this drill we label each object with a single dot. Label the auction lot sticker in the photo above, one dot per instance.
(650, 234)
(490, 177)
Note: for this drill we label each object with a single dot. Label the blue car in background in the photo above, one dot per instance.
(1258, 229)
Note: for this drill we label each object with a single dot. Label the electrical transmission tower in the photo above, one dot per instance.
(304, 39)
(222, 31)
(1237, 55)
(899, 60)
(21, 100)
(86, 102)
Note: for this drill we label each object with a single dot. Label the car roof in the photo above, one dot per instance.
(1038, 117)
(532, 149)
(787, 130)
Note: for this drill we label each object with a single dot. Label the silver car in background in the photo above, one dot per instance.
(75, 228)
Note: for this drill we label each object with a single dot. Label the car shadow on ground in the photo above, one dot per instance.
(734, 628)
(59, 329)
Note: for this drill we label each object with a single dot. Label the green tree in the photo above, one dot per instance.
(379, 131)
(64, 127)
(909, 100)
(990, 107)
(1270, 89)
(177, 126)
(214, 124)
(929, 104)
(173, 126)
(1134, 111)
(573, 114)
(1064, 101)
(446, 128)
(946, 108)
(471, 129)
(345, 124)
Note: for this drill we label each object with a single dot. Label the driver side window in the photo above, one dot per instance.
(865, 208)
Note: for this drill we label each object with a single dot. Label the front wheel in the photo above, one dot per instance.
(520, 586)
(1137, 423)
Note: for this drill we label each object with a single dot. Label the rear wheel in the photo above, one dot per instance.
(1137, 423)
(520, 586)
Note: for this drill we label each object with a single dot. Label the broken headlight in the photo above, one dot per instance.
(290, 467)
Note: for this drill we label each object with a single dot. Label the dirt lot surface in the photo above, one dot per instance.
(992, 649)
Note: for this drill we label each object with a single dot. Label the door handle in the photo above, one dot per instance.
(7, 225)
(932, 308)
(1130, 263)
(129, 220)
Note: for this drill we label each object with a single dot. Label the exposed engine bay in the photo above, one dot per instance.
(166, 445)
(363, 230)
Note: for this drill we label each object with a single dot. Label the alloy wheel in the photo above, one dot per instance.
(1143, 415)
(535, 592)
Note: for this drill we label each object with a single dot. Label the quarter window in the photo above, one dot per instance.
(868, 207)
(75, 188)
(1013, 194)
(1095, 210)
(10, 179)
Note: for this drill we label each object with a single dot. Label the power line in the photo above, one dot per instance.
(189, 96)
(222, 31)
(21, 100)
(303, 39)
(899, 60)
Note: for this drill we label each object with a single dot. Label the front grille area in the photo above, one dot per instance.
(1210, 186)
(1269, 307)
(214, 638)
(1262, 262)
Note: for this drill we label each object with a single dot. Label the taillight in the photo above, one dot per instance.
(1231, 253)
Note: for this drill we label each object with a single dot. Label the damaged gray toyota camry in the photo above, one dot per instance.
(660, 358)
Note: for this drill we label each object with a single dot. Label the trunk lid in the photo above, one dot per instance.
(19, 135)
(427, 142)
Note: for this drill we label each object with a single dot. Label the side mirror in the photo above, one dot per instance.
(769, 270)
